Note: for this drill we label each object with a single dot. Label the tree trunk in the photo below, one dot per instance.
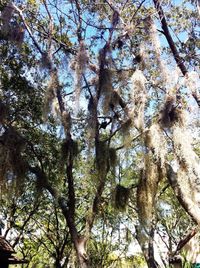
(80, 245)
(145, 238)
(185, 195)
(83, 262)
(57, 264)
(177, 265)
(151, 262)
(4, 265)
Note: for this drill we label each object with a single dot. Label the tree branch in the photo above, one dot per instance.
(19, 11)
(179, 60)
(134, 14)
(186, 239)
(185, 199)
(168, 36)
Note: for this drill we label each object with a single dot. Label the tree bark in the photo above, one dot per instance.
(179, 60)
(4, 265)
(151, 262)
(170, 41)
(83, 262)
(184, 197)
(80, 245)
(57, 264)
(79, 242)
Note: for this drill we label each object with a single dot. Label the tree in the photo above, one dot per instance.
(102, 80)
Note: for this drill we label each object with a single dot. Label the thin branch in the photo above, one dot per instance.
(134, 139)
(110, 5)
(19, 11)
(87, 86)
(186, 239)
(50, 27)
(190, 206)
(62, 45)
(168, 36)
(134, 14)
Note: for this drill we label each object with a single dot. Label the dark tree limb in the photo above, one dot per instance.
(168, 36)
(68, 212)
(151, 259)
(187, 238)
(186, 200)
(134, 14)
(19, 11)
(179, 60)
(32, 212)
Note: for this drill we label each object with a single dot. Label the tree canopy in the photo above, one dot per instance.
(99, 130)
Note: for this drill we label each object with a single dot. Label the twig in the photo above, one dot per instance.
(186, 239)
(137, 10)
(19, 11)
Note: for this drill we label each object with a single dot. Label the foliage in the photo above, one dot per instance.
(97, 103)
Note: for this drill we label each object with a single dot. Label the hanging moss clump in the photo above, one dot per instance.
(13, 32)
(171, 114)
(102, 158)
(121, 197)
(105, 81)
(112, 157)
(41, 180)
(3, 112)
(69, 147)
(106, 88)
(12, 164)
(125, 127)
(147, 189)
(80, 65)
(115, 99)
(50, 100)
(155, 140)
(64, 150)
(75, 148)
(138, 98)
(66, 121)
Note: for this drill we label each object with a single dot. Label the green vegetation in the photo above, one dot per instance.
(99, 132)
